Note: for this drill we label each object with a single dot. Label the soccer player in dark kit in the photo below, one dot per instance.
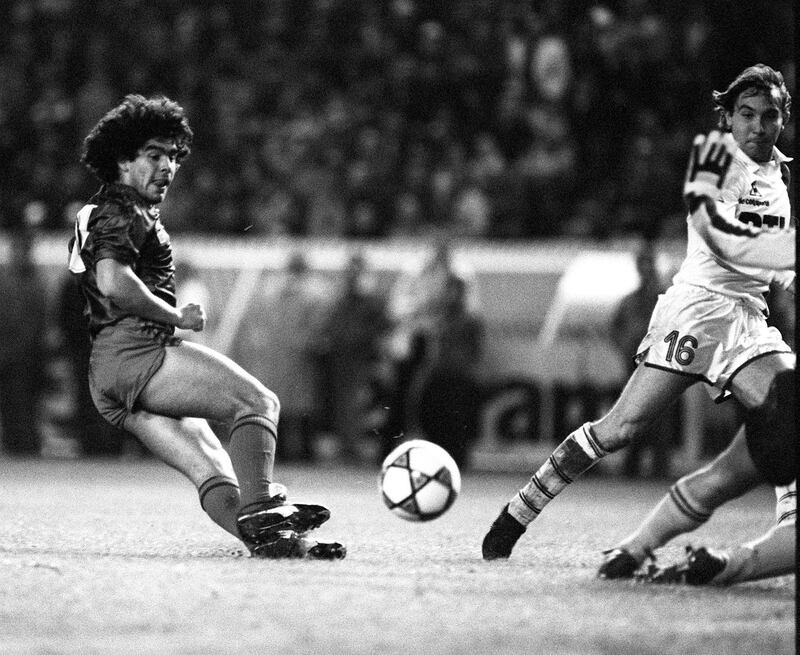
(148, 381)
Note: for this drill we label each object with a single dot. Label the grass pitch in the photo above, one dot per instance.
(117, 557)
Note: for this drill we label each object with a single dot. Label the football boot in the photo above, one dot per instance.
(503, 534)
(259, 522)
(700, 568)
(618, 564)
(287, 544)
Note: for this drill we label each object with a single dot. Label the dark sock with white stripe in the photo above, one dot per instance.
(786, 505)
(675, 514)
(574, 456)
(219, 497)
(252, 452)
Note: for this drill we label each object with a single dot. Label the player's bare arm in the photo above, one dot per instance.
(118, 282)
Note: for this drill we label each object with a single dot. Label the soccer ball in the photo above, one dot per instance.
(419, 481)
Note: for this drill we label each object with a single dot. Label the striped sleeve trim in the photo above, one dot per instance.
(734, 229)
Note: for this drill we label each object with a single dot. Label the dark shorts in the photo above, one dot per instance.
(124, 358)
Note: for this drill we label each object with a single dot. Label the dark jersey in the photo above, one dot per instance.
(118, 224)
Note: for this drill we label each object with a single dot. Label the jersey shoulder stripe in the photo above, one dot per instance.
(76, 264)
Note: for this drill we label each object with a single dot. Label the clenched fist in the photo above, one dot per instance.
(193, 317)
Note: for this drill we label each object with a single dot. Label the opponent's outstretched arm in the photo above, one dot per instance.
(730, 240)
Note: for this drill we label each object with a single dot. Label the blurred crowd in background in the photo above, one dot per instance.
(357, 365)
(493, 119)
(372, 118)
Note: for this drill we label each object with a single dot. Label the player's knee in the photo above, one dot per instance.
(613, 438)
(771, 432)
(195, 430)
(262, 401)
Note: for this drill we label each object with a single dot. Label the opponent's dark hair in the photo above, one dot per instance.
(122, 132)
(759, 79)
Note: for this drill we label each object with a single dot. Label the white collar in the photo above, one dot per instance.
(752, 166)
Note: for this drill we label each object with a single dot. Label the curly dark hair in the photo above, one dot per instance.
(122, 132)
(761, 79)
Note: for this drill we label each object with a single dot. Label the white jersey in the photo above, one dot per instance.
(754, 194)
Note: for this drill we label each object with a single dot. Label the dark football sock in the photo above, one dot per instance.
(252, 451)
(219, 498)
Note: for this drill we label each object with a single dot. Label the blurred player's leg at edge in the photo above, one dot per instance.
(770, 443)
(758, 453)
(235, 486)
(690, 503)
(772, 554)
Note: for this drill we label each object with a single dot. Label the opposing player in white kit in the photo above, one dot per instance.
(771, 439)
(709, 326)
(769, 555)
(769, 453)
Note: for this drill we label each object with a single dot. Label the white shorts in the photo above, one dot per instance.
(707, 335)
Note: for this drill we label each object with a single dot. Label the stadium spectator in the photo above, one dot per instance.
(645, 199)
(23, 355)
(772, 554)
(712, 307)
(471, 212)
(191, 287)
(414, 302)
(418, 290)
(279, 339)
(444, 395)
(354, 337)
(310, 77)
(95, 435)
(148, 381)
(628, 327)
(546, 169)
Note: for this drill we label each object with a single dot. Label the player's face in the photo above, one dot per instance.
(756, 123)
(153, 169)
